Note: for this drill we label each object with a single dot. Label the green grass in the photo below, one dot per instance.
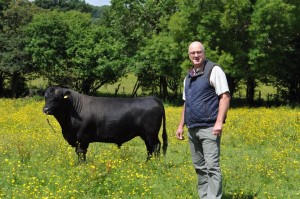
(262, 91)
(126, 86)
(259, 159)
(37, 83)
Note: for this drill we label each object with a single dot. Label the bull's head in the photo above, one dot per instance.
(55, 99)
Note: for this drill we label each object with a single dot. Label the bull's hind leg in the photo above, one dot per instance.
(157, 149)
(153, 146)
(81, 150)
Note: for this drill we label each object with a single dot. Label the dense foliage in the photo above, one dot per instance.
(72, 43)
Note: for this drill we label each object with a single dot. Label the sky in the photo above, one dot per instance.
(98, 2)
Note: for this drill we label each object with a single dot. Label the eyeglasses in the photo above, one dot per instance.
(196, 52)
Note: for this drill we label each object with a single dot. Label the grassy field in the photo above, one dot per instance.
(259, 159)
(127, 84)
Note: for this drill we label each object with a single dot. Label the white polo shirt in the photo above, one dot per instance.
(217, 79)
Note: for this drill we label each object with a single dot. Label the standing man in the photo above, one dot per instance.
(206, 96)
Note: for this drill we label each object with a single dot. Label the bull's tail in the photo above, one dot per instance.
(164, 133)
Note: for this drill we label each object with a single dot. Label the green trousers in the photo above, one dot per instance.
(205, 151)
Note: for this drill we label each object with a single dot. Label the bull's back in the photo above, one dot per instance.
(119, 105)
(121, 118)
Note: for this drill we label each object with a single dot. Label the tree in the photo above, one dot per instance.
(159, 60)
(205, 21)
(276, 41)
(13, 59)
(68, 49)
(137, 22)
(4, 4)
(243, 37)
(235, 23)
(47, 44)
(64, 5)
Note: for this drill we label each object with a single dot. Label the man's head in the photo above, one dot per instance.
(196, 53)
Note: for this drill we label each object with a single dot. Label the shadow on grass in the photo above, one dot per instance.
(231, 196)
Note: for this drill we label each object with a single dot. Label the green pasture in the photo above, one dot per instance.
(259, 158)
(126, 84)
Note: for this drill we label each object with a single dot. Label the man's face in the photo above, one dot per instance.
(196, 54)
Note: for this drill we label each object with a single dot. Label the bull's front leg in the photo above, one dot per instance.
(81, 150)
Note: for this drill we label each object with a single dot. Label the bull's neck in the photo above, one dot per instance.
(76, 104)
(70, 111)
(64, 120)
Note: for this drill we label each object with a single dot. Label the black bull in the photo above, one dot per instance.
(86, 119)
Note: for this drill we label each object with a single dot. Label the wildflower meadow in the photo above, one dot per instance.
(260, 158)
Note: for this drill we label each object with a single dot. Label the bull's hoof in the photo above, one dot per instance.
(81, 158)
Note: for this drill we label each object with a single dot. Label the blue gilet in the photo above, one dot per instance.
(201, 100)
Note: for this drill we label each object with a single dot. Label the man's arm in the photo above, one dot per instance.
(180, 129)
(224, 101)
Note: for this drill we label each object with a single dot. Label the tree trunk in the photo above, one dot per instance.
(231, 84)
(294, 93)
(17, 85)
(86, 87)
(135, 88)
(1, 85)
(164, 86)
(250, 90)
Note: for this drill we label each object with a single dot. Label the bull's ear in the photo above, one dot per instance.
(67, 94)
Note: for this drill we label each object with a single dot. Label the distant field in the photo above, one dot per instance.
(259, 159)
(127, 85)
(263, 89)
(37, 83)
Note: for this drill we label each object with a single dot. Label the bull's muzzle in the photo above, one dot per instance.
(46, 110)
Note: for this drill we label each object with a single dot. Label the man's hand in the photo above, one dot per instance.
(217, 130)
(179, 133)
